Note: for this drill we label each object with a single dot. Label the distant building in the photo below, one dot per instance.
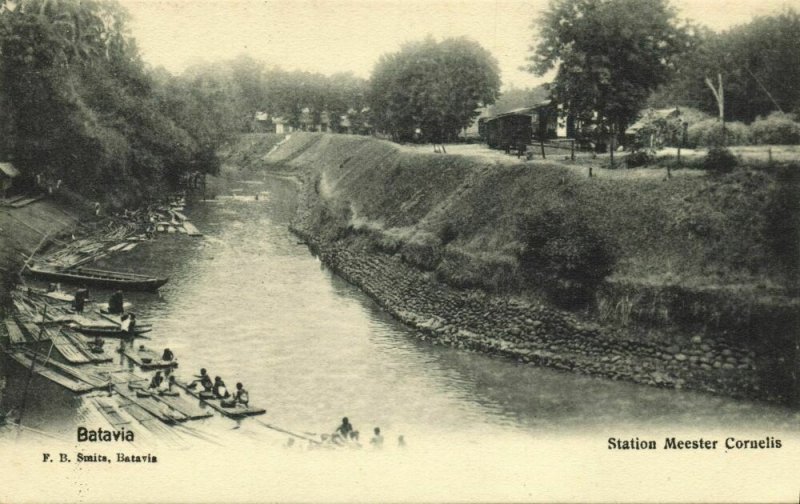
(281, 126)
(656, 127)
(7, 175)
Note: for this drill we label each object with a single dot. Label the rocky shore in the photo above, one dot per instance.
(535, 333)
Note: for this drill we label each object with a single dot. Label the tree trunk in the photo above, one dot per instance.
(719, 95)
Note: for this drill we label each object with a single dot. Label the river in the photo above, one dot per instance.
(251, 304)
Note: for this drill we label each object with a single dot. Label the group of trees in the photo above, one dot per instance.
(79, 105)
(239, 88)
(612, 57)
(757, 62)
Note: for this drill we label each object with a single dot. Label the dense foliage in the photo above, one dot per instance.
(783, 223)
(434, 87)
(758, 64)
(80, 106)
(777, 128)
(564, 255)
(711, 132)
(609, 55)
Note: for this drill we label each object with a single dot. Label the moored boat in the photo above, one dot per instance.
(98, 277)
(109, 331)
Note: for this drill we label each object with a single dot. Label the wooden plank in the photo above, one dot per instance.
(160, 410)
(14, 332)
(21, 203)
(80, 343)
(16, 198)
(117, 246)
(140, 355)
(68, 350)
(50, 374)
(95, 381)
(34, 331)
(147, 420)
(191, 230)
(189, 408)
(129, 247)
(110, 411)
(125, 377)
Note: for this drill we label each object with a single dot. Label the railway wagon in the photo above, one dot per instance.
(519, 127)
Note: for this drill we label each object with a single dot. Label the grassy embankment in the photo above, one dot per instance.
(694, 255)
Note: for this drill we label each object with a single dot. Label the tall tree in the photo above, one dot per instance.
(609, 54)
(435, 87)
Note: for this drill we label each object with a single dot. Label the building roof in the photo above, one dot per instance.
(528, 111)
(651, 114)
(9, 170)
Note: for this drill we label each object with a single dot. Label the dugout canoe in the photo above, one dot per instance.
(109, 331)
(98, 278)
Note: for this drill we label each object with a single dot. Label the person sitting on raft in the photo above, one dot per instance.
(220, 391)
(165, 388)
(96, 346)
(156, 381)
(81, 297)
(240, 396)
(116, 303)
(167, 355)
(204, 380)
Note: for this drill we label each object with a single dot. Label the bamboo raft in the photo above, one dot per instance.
(167, 408)
(148, 359)
(238, 411)
(69, 378)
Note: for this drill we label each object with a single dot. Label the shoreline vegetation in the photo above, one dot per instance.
(696, 298)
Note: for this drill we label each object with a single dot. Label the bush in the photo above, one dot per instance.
(708, 133)
(564, 255)
(638, 158)
(783, 222)
(777, 128)
(720, 160)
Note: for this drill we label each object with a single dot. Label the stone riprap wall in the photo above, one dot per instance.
(535, 333)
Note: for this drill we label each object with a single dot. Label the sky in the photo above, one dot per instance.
(330, 36)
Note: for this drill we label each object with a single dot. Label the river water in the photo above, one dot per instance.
(251, 304)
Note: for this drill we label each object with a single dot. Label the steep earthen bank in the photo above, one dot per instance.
(368, 210)
(24, 229)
